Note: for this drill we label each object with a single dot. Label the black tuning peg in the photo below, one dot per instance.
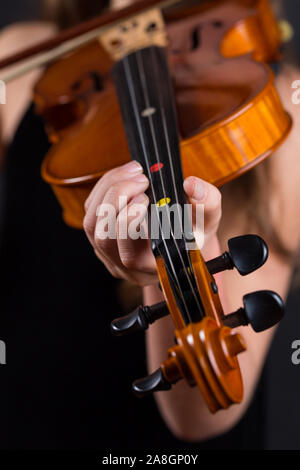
(139, 319)
(246, 253)
(262, 309)
(152, 383)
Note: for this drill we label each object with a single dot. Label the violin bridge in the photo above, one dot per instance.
(137, 32)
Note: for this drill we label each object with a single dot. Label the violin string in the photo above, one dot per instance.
(138, 121)
(167, 140)
(142, 78)
(162, 109)
(165, 127)
(146, 97)
(129, 81)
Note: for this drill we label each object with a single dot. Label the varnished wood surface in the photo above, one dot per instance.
(202, 358)
(230, 114)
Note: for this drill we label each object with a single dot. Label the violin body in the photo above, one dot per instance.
(228, 109)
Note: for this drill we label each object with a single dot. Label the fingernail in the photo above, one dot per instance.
(198, 189)
(140, 179)
(133, 167)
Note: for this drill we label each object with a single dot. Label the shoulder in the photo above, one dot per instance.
(14, 38)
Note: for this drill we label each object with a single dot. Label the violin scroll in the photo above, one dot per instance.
(206, 353)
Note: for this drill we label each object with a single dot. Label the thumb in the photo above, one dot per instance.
(204, 196)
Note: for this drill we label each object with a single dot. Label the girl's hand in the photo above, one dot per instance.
(123, 191)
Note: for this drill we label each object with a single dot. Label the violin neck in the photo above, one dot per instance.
(146, 99)
(147, 104)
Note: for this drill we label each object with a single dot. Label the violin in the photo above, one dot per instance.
(222, 101)
(185, 89)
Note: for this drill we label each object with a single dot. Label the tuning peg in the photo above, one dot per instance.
(246, 253)
(262, 309)
(152, 383)
(139, 319)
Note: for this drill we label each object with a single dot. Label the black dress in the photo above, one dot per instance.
(66, 384)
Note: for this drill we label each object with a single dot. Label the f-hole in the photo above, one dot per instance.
(196, 38)
(95, 80)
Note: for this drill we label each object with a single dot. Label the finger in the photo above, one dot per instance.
(143, 270)
(109, 178)
(135, 276)
(115, 200)
(133, 243)
(112, 185)
(203, 193)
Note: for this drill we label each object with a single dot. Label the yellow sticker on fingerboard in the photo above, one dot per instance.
(139, 31)
(163, 202)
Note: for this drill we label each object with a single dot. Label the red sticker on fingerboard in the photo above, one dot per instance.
(156, 167)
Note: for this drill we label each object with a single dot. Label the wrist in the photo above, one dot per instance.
(211, 248)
